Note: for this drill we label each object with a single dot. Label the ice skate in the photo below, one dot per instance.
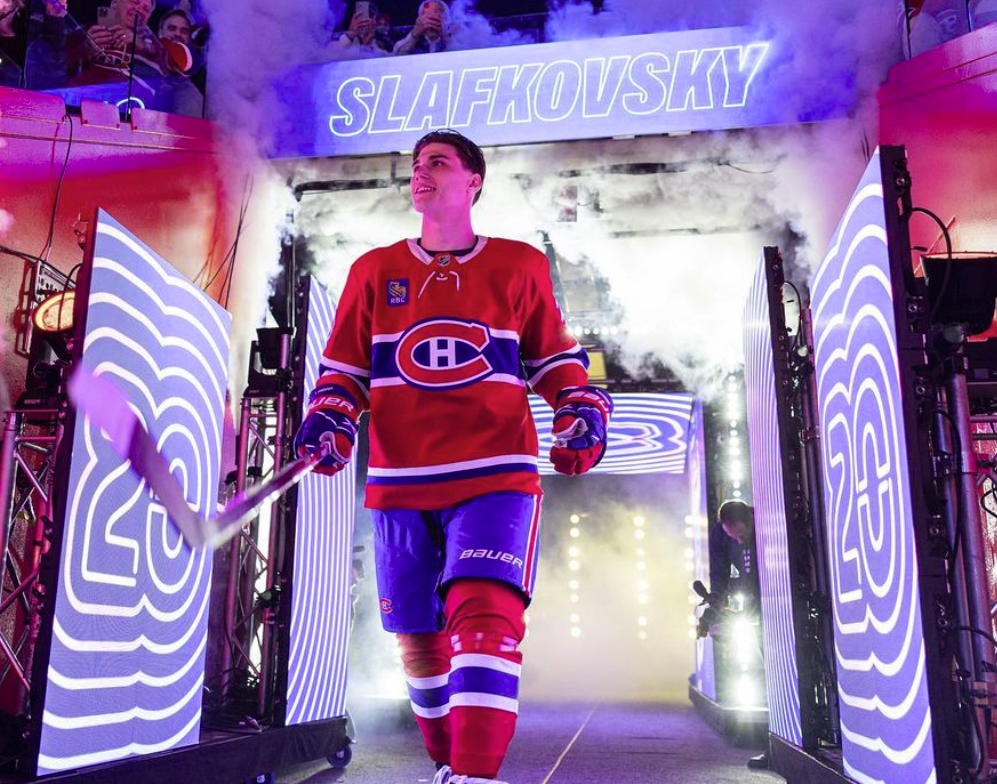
(443, 774)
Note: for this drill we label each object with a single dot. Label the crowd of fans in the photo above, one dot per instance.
(158, 54)
(126, 54)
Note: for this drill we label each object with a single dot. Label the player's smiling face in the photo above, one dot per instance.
(441, 184)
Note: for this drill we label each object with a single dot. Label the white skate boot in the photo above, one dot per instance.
(443, 775)
(473, 780)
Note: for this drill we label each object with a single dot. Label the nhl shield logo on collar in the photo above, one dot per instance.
(444, 259)
(398, 292)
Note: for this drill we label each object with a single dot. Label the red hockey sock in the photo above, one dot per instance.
(485, 624)
(426, 660)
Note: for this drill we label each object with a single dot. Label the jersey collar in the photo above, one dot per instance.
(426, 258)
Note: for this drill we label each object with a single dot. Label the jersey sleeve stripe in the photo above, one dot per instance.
(540, 362)
(535, 378)
(342, 367)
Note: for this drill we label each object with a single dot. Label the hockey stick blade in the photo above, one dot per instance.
(107, 406)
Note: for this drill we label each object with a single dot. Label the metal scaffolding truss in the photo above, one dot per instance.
(27, 459)
(253, 588)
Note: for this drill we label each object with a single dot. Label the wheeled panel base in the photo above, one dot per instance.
(798, 766)
(741, 726)
(219, 758)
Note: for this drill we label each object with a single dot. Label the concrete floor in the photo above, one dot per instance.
(563, 744)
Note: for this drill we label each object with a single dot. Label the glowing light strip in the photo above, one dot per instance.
(321, 604)
(130, 622)
(648, 434)
(781, 674)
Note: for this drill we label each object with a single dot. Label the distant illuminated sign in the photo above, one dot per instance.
(645, 84)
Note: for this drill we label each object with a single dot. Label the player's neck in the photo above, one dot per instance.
(450, 234)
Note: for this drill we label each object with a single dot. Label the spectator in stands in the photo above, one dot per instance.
(382, 29)
(361, 39)
(176, 26)
(177, 92)
(13, 41)
(431, 31)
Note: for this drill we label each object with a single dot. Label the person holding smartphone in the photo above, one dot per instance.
(431, 31)
(361, 39)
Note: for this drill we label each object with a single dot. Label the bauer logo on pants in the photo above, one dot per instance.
(493, 555)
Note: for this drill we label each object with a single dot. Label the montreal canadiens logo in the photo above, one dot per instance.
(444, 354)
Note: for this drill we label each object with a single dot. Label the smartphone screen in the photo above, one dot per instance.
(363, 9)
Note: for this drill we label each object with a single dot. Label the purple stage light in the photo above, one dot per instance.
(768, 492)
(321, 603)
(886, 721)
(125, 670)
(648, 434)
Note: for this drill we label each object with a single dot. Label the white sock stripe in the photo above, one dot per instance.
(486, 661)
(431, 713)
(433, 682)
(473, 699)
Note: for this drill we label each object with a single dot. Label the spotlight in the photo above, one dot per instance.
(573, 552)
(55, 314)
(573, 585)
(574, 598)
(576, 632)
(575, 519)
(639, 534)
(642, 621)
(574, 533)
(747, 691)
(962, 290)
(639, 521)
(576, 618)
(574, 566)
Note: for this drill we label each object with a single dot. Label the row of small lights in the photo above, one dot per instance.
(574, 564)
(735, 468)
(690, 566)
(582, 331)
(643, 585)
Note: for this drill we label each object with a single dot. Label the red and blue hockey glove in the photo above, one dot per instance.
(580, 424)
(331, 418)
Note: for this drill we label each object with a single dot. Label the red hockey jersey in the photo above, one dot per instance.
(441, 349)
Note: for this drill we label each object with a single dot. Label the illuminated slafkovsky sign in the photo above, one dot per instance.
(636, 85)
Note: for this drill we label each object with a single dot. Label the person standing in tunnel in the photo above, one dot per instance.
(439, 338)
(732, 544)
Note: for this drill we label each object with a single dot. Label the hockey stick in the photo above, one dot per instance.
(107, 406)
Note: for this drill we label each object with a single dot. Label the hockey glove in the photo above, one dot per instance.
(580, 424)
(331, 418)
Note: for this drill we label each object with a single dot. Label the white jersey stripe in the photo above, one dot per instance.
(537, 362)
(431, 713)
(433, 682)
(487, 662)
(543, 371)
(446, 468)
(344, 368)
(474, 699)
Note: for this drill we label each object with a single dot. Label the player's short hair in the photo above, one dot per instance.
(734, 512)
(469, 153)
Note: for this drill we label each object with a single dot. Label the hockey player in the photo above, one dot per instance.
(440, 338)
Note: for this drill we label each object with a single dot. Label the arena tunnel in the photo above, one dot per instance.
(784, 280)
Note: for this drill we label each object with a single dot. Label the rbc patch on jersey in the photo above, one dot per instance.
(398, 292)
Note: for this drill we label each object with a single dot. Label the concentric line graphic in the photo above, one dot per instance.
(879, 643)
(648, 434)
(323, 560)
(127, 661)
(781, 674)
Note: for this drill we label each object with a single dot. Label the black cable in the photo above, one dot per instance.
(948, 262)
(957, 454)
(58, 192)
